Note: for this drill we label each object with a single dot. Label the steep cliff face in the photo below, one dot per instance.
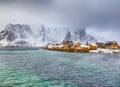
(13, 32)
(43, 34)
(79, 34)
(47, 34)
(68, 37)
(23, 35)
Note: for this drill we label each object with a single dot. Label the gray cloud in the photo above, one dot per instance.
(101, 15)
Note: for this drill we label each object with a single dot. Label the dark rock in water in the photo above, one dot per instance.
(12, 32)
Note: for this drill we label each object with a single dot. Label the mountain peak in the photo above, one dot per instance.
(16, 33)
(68, 37)
(15, 25)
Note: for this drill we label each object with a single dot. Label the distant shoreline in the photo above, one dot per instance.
(19, 48)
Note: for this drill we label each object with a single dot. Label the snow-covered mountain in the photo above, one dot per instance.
(17, 34)
(13, 32)
(80, 35)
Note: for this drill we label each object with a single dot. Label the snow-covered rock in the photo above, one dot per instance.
(14, 33)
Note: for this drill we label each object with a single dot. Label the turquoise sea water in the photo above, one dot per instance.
(42, 68)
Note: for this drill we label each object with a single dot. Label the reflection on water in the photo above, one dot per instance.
(43, 68)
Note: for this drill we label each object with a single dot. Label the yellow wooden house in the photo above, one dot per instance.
(111, 45)
(92, 46)
(77, 48)
(55, 47)
(64, 48)
(85, 48)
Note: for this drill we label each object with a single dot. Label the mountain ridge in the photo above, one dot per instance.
(13, 34)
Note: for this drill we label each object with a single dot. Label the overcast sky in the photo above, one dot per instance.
(101, 18)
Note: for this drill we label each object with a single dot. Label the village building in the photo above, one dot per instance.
(100, 44)
(55, 47)
(65, 48)
(111, 45)
(85, 48)
(93, 46)
(70, 43)
(48, 46)
(77, 47)
(72, 48)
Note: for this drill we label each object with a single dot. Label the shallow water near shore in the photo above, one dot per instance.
(42, 68)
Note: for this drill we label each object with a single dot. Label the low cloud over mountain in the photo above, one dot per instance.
(23, 35)
(98, 16)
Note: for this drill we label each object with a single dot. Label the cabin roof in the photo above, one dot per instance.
(109, 43)
(100, 44)
(85, 46)
(93, 44)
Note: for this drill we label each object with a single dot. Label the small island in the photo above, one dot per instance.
(85, 47)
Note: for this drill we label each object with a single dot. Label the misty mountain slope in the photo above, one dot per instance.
(16, 34)
(79, 34)
(68, 36)
(13, 32)
(47, 34)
